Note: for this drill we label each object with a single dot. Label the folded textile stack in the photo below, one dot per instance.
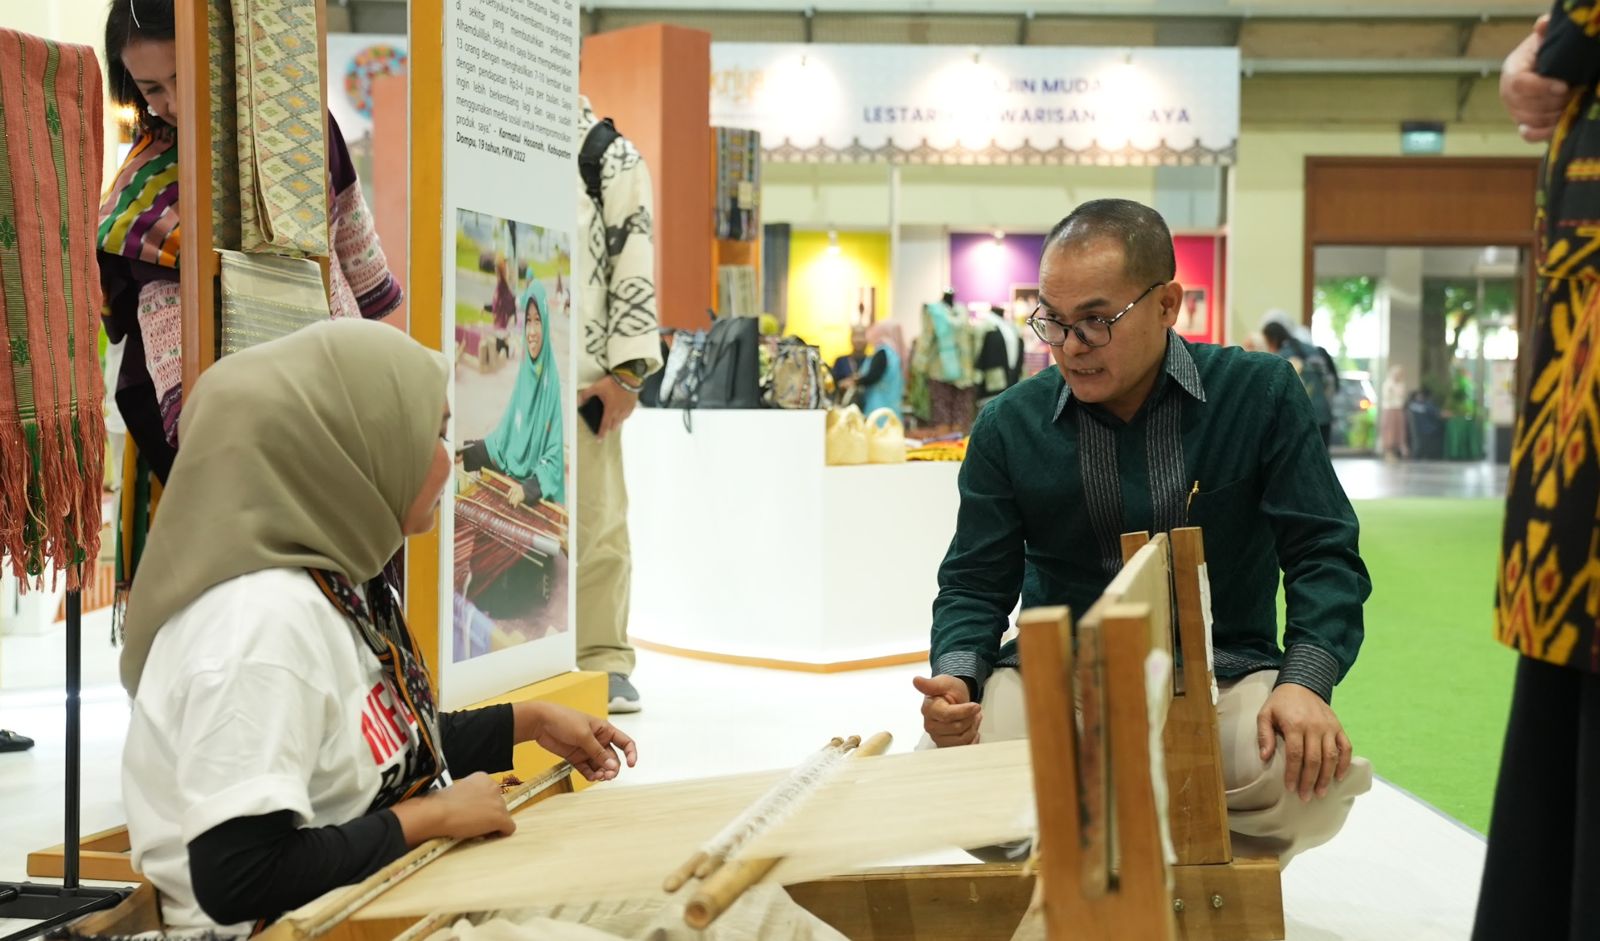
(738, 184)
(939, 451)
(265, 61)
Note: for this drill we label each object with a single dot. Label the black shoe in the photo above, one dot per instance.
(11, 741)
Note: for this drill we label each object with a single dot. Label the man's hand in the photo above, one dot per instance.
(949, 715)
(1534, 102)
(1315, 749)
(619, 403)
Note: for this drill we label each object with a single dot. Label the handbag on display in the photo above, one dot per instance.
(847, 436)
(680, 382)
(731, 376)
(886, 438)
(795, 379)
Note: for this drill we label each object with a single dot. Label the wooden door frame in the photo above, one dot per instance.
(1514, 236)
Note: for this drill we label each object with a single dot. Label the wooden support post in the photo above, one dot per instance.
(1194, 752)
(1146, 910)
(197, 257)
(426, 287)
(1045, 640)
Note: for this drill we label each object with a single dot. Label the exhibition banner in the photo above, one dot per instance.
(1018, 105)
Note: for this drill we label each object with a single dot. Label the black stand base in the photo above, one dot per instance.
(51, 905)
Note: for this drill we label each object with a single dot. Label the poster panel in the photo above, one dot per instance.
(510, 184)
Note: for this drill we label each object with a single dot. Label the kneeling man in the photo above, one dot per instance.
(1139, 430)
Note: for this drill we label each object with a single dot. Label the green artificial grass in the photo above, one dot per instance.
(1428, 697)
(469, 316)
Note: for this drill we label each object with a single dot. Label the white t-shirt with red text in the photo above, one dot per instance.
(258, 697)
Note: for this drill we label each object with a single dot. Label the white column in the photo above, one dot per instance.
(1400, 307)
(886, 304)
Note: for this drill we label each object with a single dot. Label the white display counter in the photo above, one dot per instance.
(748, 549)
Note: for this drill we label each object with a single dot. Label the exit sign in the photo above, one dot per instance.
(1421, 137)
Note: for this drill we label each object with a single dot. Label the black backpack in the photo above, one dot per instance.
(731, 377)
(592, 154)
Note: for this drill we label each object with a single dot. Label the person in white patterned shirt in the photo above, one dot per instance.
(614, 283)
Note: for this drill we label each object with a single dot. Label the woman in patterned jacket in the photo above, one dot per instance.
(1544, 837)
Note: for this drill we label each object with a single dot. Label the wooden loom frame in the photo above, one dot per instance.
(1214, 895)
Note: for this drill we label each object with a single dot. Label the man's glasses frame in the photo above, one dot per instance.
(1093, 332)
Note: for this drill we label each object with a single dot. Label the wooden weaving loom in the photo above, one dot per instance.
(1102, 870)
(492, 532)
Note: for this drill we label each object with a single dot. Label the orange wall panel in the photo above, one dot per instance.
(390, 180)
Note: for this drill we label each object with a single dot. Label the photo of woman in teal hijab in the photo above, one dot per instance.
(527, 445)
(527, 448)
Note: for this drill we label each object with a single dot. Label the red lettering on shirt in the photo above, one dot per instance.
(386, 723)
(377, 727)
(381, 749)
(388, 712)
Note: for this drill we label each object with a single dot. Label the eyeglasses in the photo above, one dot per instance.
(1092, 331)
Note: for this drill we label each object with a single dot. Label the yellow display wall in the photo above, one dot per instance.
(824, 285)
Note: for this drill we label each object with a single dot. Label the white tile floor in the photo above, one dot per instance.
(1399, 870)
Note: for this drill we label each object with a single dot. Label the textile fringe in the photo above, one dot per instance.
(49, 500)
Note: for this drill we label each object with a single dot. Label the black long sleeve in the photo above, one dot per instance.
(254, 868)
(1568, 53)
(875, 368)
(478, 740)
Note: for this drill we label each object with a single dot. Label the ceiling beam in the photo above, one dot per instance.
(1276, 9)
(1469, 67)
(1464, 86)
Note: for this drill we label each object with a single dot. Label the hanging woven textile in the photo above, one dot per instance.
(52, 428)
(265, 297)
(738, 184)
(223, 71)
(282, 182)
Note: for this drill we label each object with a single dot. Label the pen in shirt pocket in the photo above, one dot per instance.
(1189, 505)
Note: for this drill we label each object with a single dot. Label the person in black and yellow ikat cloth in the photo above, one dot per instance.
(1544, 836)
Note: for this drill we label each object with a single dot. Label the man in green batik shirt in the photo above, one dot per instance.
(1139, 430)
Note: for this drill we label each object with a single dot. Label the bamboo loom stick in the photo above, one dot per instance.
(725, 886)
(343, 904)
(711, 855)
(779, 802)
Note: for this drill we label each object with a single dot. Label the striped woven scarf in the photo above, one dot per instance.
(139, 216)
(52, 430)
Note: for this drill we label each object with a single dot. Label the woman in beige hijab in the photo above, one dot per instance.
(284, 739)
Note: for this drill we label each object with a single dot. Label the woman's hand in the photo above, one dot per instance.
(1536, 103)
(471, 807)
(588, 744)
